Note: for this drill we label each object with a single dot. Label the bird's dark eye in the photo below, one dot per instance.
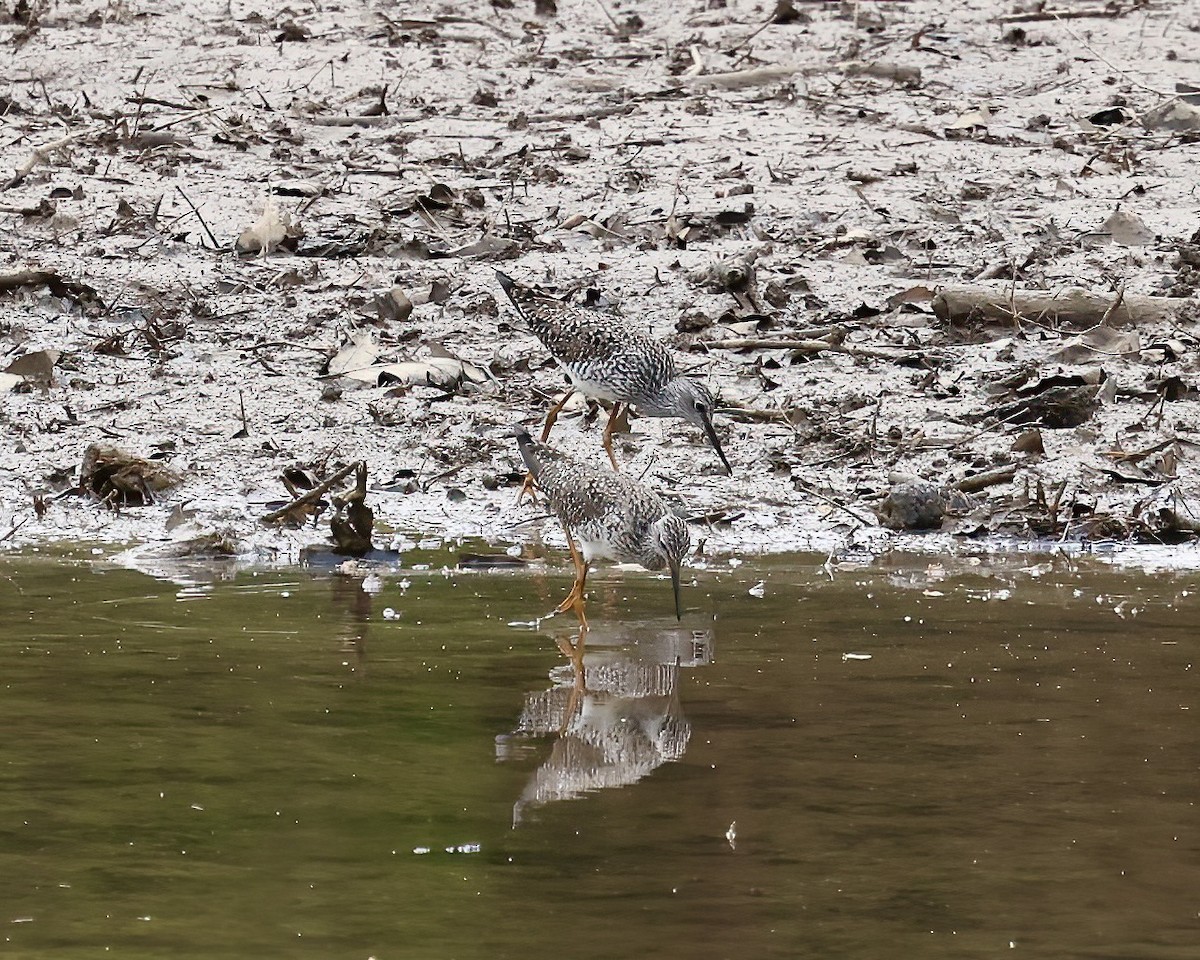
(701, 406)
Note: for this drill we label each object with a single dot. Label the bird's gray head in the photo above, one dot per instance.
(670, 540)
(691, 400)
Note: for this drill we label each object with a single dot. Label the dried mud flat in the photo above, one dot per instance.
(859, 222)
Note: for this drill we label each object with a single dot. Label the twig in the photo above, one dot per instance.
(40, 155)
(803, 485)
(1108, 63)
(216, 246)
(611, 18)
(737, 79)
(1120, 298)
(350, 121)
(754, 415)
(412, 23)
(1107, 14)
(987, 478)
(14, 530)
(595, 113)
(806, 346)
(245, 422)
(186, 117)
(441, 476)
(274, 344)
(745, 40)
(314, 494)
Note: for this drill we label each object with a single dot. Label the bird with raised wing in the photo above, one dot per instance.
(607, 359)
(605, 514)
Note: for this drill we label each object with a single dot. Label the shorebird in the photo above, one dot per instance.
(605, 514)
(609, 360)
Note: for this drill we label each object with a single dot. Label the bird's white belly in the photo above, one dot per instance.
(595, 550)
(591, 388)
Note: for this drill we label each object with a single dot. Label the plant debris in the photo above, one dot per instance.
(939, 266)
(120, 479)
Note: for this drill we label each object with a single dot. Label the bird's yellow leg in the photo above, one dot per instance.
(528, 486)
(574, 599)
(553, 412)
(608, 433)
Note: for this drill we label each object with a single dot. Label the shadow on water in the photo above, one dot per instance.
(900, 760)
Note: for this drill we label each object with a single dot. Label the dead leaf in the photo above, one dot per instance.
(918, 294)
(36, 367)
(356, 359)
(1097, 343)
(444, 373)
(272, 229)
(488, 247)
(149, 139)
(1127, 229)
(968, 123)
(1163, 350)
(299, 188)
(1029, 442)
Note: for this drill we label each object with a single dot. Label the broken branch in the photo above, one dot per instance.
(315, 494)
(987, 478)
(40, 155)
(1071, 306)
(806, 346)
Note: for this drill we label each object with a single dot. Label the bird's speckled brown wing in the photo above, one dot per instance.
(595, 348)
(599, 506)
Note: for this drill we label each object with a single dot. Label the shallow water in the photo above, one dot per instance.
(895, 761)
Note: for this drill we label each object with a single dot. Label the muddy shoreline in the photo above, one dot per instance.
(220, 226)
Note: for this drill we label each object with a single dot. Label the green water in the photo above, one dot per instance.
(1005, 765)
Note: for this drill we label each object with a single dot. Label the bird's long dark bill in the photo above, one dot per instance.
(675, 587)
(712, 438)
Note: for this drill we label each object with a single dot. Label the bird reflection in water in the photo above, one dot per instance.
(614, 710)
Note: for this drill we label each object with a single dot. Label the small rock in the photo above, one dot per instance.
(912, 504)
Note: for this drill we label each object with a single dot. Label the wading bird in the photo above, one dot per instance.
(608, 360)
(605, 514)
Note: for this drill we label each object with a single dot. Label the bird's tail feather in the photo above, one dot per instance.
(507, 283)
(537, 456)
(529, 450)
(517, 294)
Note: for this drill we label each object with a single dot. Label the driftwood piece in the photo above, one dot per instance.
(740, 79)
(1071, 306)
(313, 495)
(40, 155)
(807, 346)
(884, 70)
(26, 278)
(67, 289)
(1106, 12)
(353, 521)
(333, 121)
(987, 478)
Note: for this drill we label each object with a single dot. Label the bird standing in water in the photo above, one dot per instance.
(609, 360)
(605, 514)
